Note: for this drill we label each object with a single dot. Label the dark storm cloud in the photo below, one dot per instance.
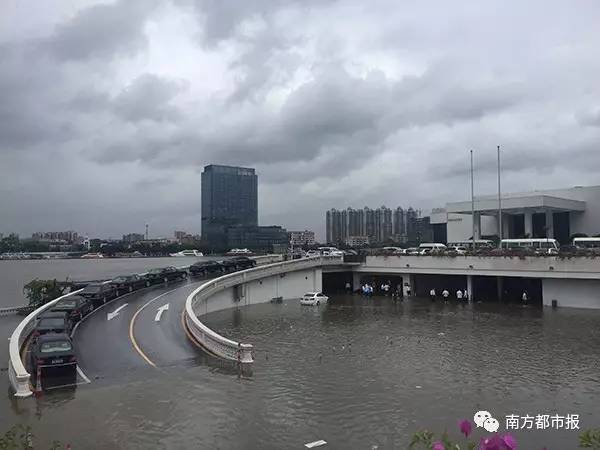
(148, 97)
(101, 31)
(335, 111)
(117, 106)
(220, 19)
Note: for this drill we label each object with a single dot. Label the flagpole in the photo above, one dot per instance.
(499, 200)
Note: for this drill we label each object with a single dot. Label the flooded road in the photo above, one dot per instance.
(356, 373)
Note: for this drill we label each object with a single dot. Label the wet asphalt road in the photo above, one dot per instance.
(133, 339)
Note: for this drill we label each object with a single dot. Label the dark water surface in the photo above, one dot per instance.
(15, 274)
(360, 374)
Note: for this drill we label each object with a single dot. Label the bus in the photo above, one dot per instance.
(587, 242)
(542, 245)
(479, 243)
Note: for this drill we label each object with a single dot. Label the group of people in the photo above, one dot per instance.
(460, 295)
(385, 289)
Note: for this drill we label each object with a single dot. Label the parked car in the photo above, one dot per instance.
(203, 268)
(75, 306)
(99, 293)
(128, 283)
(228, 265)
(243, 262)
(52, 322)
(164, 274)
(412, 251)
(313, 298)
(53, 350)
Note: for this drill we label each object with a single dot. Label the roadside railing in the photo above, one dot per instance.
(17, 373)
(15, 310)
(197, 304)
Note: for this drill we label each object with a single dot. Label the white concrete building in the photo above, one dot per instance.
(302, 238)
(554, 213)
(357, 241)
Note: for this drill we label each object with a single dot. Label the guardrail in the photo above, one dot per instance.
(18, 375)
(199, 298)
(15, 310)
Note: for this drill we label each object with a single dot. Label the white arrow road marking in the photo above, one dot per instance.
(159, 312)
(315, 443)
(115, 313)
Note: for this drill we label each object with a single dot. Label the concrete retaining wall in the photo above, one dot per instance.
(572, 293)
(290, 285)
(536, 267)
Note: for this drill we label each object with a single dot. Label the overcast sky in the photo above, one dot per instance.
(109, 110)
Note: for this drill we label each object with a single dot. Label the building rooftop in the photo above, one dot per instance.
(566, 199)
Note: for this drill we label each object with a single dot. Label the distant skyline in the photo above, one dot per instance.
(110, 109)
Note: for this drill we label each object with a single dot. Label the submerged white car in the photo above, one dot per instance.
(313, 298)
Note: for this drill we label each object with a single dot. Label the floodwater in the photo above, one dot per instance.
(14, 274)
(357, 373)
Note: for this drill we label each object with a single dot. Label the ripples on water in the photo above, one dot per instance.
(357, 373)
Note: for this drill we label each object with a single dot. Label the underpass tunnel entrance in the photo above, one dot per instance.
(513, 288)
(485, 289)
(335, 282)
(452, 283)
(378, 280)
(507, 289)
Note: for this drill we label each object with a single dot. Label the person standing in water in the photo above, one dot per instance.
(445, 294)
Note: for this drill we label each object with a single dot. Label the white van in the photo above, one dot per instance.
(431, 247)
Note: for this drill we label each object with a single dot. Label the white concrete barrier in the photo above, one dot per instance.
(18, 375)
(197, 304)
(267, 259)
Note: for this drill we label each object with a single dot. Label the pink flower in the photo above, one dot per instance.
(510, 442)
(492, 443)
(438, 446)
(465, 427)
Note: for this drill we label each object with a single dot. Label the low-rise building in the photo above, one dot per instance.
(258, 238)
(133, 237)
(357, 241)
(552, 213)
(304, 238)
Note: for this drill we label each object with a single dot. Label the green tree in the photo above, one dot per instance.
(40, 292)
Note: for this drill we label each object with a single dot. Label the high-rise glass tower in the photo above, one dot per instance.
(229, 198)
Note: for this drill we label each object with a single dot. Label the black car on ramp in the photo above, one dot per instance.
(204, 268)
(128, 283)
(164, 274)
(75, 306)
(99, 293)
(53, 350)
(243, 262)
(228, 265)
(52, 322)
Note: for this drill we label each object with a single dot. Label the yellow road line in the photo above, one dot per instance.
(132, 324)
